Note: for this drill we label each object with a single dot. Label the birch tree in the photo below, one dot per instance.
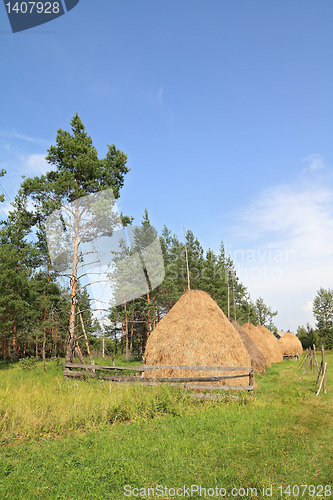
(76, 171)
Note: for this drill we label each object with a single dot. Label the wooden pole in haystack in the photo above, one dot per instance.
(233, 293)
(228, 294)
(188, 274)
(103, 340)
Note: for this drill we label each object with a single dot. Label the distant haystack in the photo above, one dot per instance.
(290, 345)
(259, 340)
(276, 356)
(254, 352)
(265, 341)
(196, 332)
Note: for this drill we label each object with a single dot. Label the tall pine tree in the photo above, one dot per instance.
(78, 172)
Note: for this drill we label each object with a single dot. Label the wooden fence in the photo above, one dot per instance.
(293, 356)
(310, 361)
(89, 371)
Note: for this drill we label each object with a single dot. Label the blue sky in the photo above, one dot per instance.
(224, 110)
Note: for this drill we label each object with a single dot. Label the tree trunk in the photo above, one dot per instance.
(14, 353)
(127, 349)
(148, 315)
(85, 336)
(154, 315)
(45, 310)
(44, 338)
(4, 349)
(115, 340)
(78, 352)
(71, 334)
(140, 339)
(122, 338)
(53, 347)
(132, 332)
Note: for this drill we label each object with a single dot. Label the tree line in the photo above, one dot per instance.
(43, 316)
(323, 312)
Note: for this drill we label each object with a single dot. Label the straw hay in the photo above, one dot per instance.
(196, 332)
(276, 356)
(265, 343)
(289, 345)
(260, 341)
(254, 352)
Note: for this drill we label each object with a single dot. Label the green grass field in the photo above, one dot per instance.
(66, 439)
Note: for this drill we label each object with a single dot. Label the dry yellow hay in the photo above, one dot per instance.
(276, 356)
(290, 345)
(195, 332)
(254, 352)
(260, 340)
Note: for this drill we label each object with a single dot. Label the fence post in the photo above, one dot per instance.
(323, 356)
(251, 376)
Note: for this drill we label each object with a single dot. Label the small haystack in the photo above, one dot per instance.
(290, 345)
(196, 332)
(259, 340)
(276, 356)
(254, 352)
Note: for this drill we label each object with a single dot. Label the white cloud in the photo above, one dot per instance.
(314, 163)
(36, 163)
(289, 216)
(307, 307)
(286, 235)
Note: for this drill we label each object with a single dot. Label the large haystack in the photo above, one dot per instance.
(290, 345)
(276, 356)
(196, 332)
(254, 352)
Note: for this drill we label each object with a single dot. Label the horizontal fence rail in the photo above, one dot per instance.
(145, 368)
(188, 382)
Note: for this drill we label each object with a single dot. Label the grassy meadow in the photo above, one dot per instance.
(67, 439)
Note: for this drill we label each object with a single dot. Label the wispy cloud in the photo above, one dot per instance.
(307, 307)
(158, 103)
(35, 163)
(285, 236)
(14, 134)
(5, 208)
(160, 95)
(102, 87)
(301, 217)
(314, 163)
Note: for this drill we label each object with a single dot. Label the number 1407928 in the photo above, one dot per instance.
(33, 7)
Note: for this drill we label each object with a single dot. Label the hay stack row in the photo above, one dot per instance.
(290, 345)
(196, 332)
